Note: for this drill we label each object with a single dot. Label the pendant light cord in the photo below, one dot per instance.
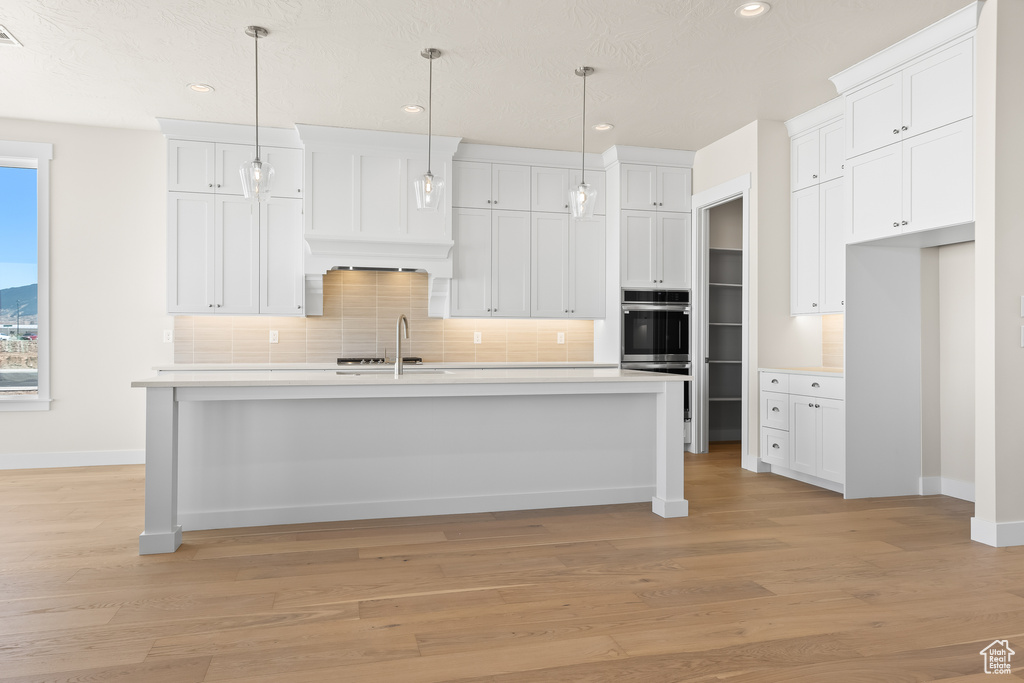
(256, 38)
(583, 146)
(430, 107)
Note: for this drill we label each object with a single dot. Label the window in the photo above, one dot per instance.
(24, 267)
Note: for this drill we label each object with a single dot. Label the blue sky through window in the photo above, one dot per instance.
(18, 227)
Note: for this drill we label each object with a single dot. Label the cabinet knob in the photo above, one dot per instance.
(488, 310)
(654, 203)
(488, 201)
(815, 175)
(775, 445)
(572, 310)
(810, 405)
(815, 385)
(495, 202)
(814, 305)
(660, 204)
(843, 302)
(895, 225)
(895, 131)
(567, 206)
(299, 307)
(299, 190)
(218, 184)
(904, 128)
(210, 305)
(816, 405)
(210, 185)
(903, 223)
(494, 310)
(775, 410)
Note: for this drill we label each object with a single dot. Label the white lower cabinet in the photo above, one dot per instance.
(803, 424)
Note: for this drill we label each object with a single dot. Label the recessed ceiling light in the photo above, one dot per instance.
(200, 87)
(752, 9)
(412, 109)
(603, 126)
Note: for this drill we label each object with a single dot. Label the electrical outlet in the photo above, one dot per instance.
(477, 338)
(273, 336)
(561, 337)
(168, 336)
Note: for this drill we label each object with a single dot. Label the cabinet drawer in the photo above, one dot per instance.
(774, 381)
(774, 447)
(775, 410)
(819, 386)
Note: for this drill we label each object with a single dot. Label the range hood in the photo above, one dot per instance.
(360, 209)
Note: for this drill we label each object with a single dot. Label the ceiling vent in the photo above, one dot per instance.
(7, 39)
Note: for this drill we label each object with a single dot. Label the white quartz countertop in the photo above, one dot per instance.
(414, 375)
(204, 367)
(831, 372)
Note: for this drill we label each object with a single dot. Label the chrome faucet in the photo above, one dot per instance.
(398, 343)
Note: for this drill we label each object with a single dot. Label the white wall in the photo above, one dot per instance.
(956, 366)
(107, 292)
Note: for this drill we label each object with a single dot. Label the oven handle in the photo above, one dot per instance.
(641, 365)
(626, 308)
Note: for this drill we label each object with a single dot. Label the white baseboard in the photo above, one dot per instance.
(808, 479)
(954, 488)
(382, 509)
(30, 461)
(997, 534)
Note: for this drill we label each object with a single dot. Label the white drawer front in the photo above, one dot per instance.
(775, 410)
(775, 447)
(818, 385)
(774, 381)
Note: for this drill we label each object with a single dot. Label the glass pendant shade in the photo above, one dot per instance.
(429, 192)
(256, 178)
(582, 200)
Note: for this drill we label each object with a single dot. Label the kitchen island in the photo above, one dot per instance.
(247, 448)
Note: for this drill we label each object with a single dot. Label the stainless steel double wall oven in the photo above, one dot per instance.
(656, 332)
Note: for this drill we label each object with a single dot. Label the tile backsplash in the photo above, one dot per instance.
(361, 309)
(832, 340)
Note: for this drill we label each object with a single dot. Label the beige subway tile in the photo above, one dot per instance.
(359, 337)
(552, 352)
(215, 322)
(237, 357)
(334, 277)
(522, 354)
(459, 353)
(250, 335)
(296, 322)
(277, 357)
(297, 336)
(333, 309)
(184, 322)
(430, 352)
(580, 352)
(212, 346)
(184, 353)
(261, 346)
(459, 324)
(520, 329)
(322, 357)
(183, 335)
(331, 334)
(359, 349)
(321, 322)
(545, 326)
(211, 334)
(220, 357)
(248, 322)
(581, 329)
(288, 347)
(457, 336)
(360, 297)
(360, 318)
(494, 328)
(359, 278)
(324, 347)
(491, 353)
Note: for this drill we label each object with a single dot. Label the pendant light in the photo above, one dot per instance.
(583, 197)
(256, 174)
(429, 188)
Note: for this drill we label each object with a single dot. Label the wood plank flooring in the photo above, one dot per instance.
(767, 580)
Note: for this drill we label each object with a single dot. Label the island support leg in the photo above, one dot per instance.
(162, 533)
(668, 500)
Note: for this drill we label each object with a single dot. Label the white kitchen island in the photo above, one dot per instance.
(249, 448)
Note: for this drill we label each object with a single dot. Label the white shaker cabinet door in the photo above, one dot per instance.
(471, 185)
(587, 268)
(874, 194)
(674, 250)
(832, 235)
(237, 256)
(471, 281)
(191, 166)
(674, 187)
(938, 178)
(550, 191)
(550, 265)
(510, 264)
(510, 187)
(638, 249)
(229, 166)
(639, 187)
(805, 157)
(874, 116)
(191, 234)
(282, 283)
(832, 451)
(805, 259)
(939, 90)
(803, 434)
(831, 151)
(287, 165)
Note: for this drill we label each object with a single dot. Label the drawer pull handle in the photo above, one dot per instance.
(775, 381)
(815, 385)
(775, 445)
(775, 410)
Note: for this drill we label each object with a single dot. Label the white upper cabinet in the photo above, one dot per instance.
(214, 167)
(818, 250)
(551, 265)
(655, 188)
(817, 156)
(480, 185)
(287, 165)
(874, 194)
(237, 256)
(471, 281)
(282, 284)
(550, 189)
(932, 92)
(587, 270)
(832, 247)
(655, 250)
(510, 264)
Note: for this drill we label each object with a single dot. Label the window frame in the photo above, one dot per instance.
(36, 155)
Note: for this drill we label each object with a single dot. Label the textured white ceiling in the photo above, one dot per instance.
(669, 73)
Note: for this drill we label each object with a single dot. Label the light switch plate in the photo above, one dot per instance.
(561, 337)
(168, 336)
(273, 336)
(476, 338)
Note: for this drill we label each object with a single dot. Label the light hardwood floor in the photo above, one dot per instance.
(768, 579)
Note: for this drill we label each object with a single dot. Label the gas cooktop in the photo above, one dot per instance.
(413, 360)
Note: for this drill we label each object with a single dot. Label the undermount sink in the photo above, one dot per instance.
(390, 370)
